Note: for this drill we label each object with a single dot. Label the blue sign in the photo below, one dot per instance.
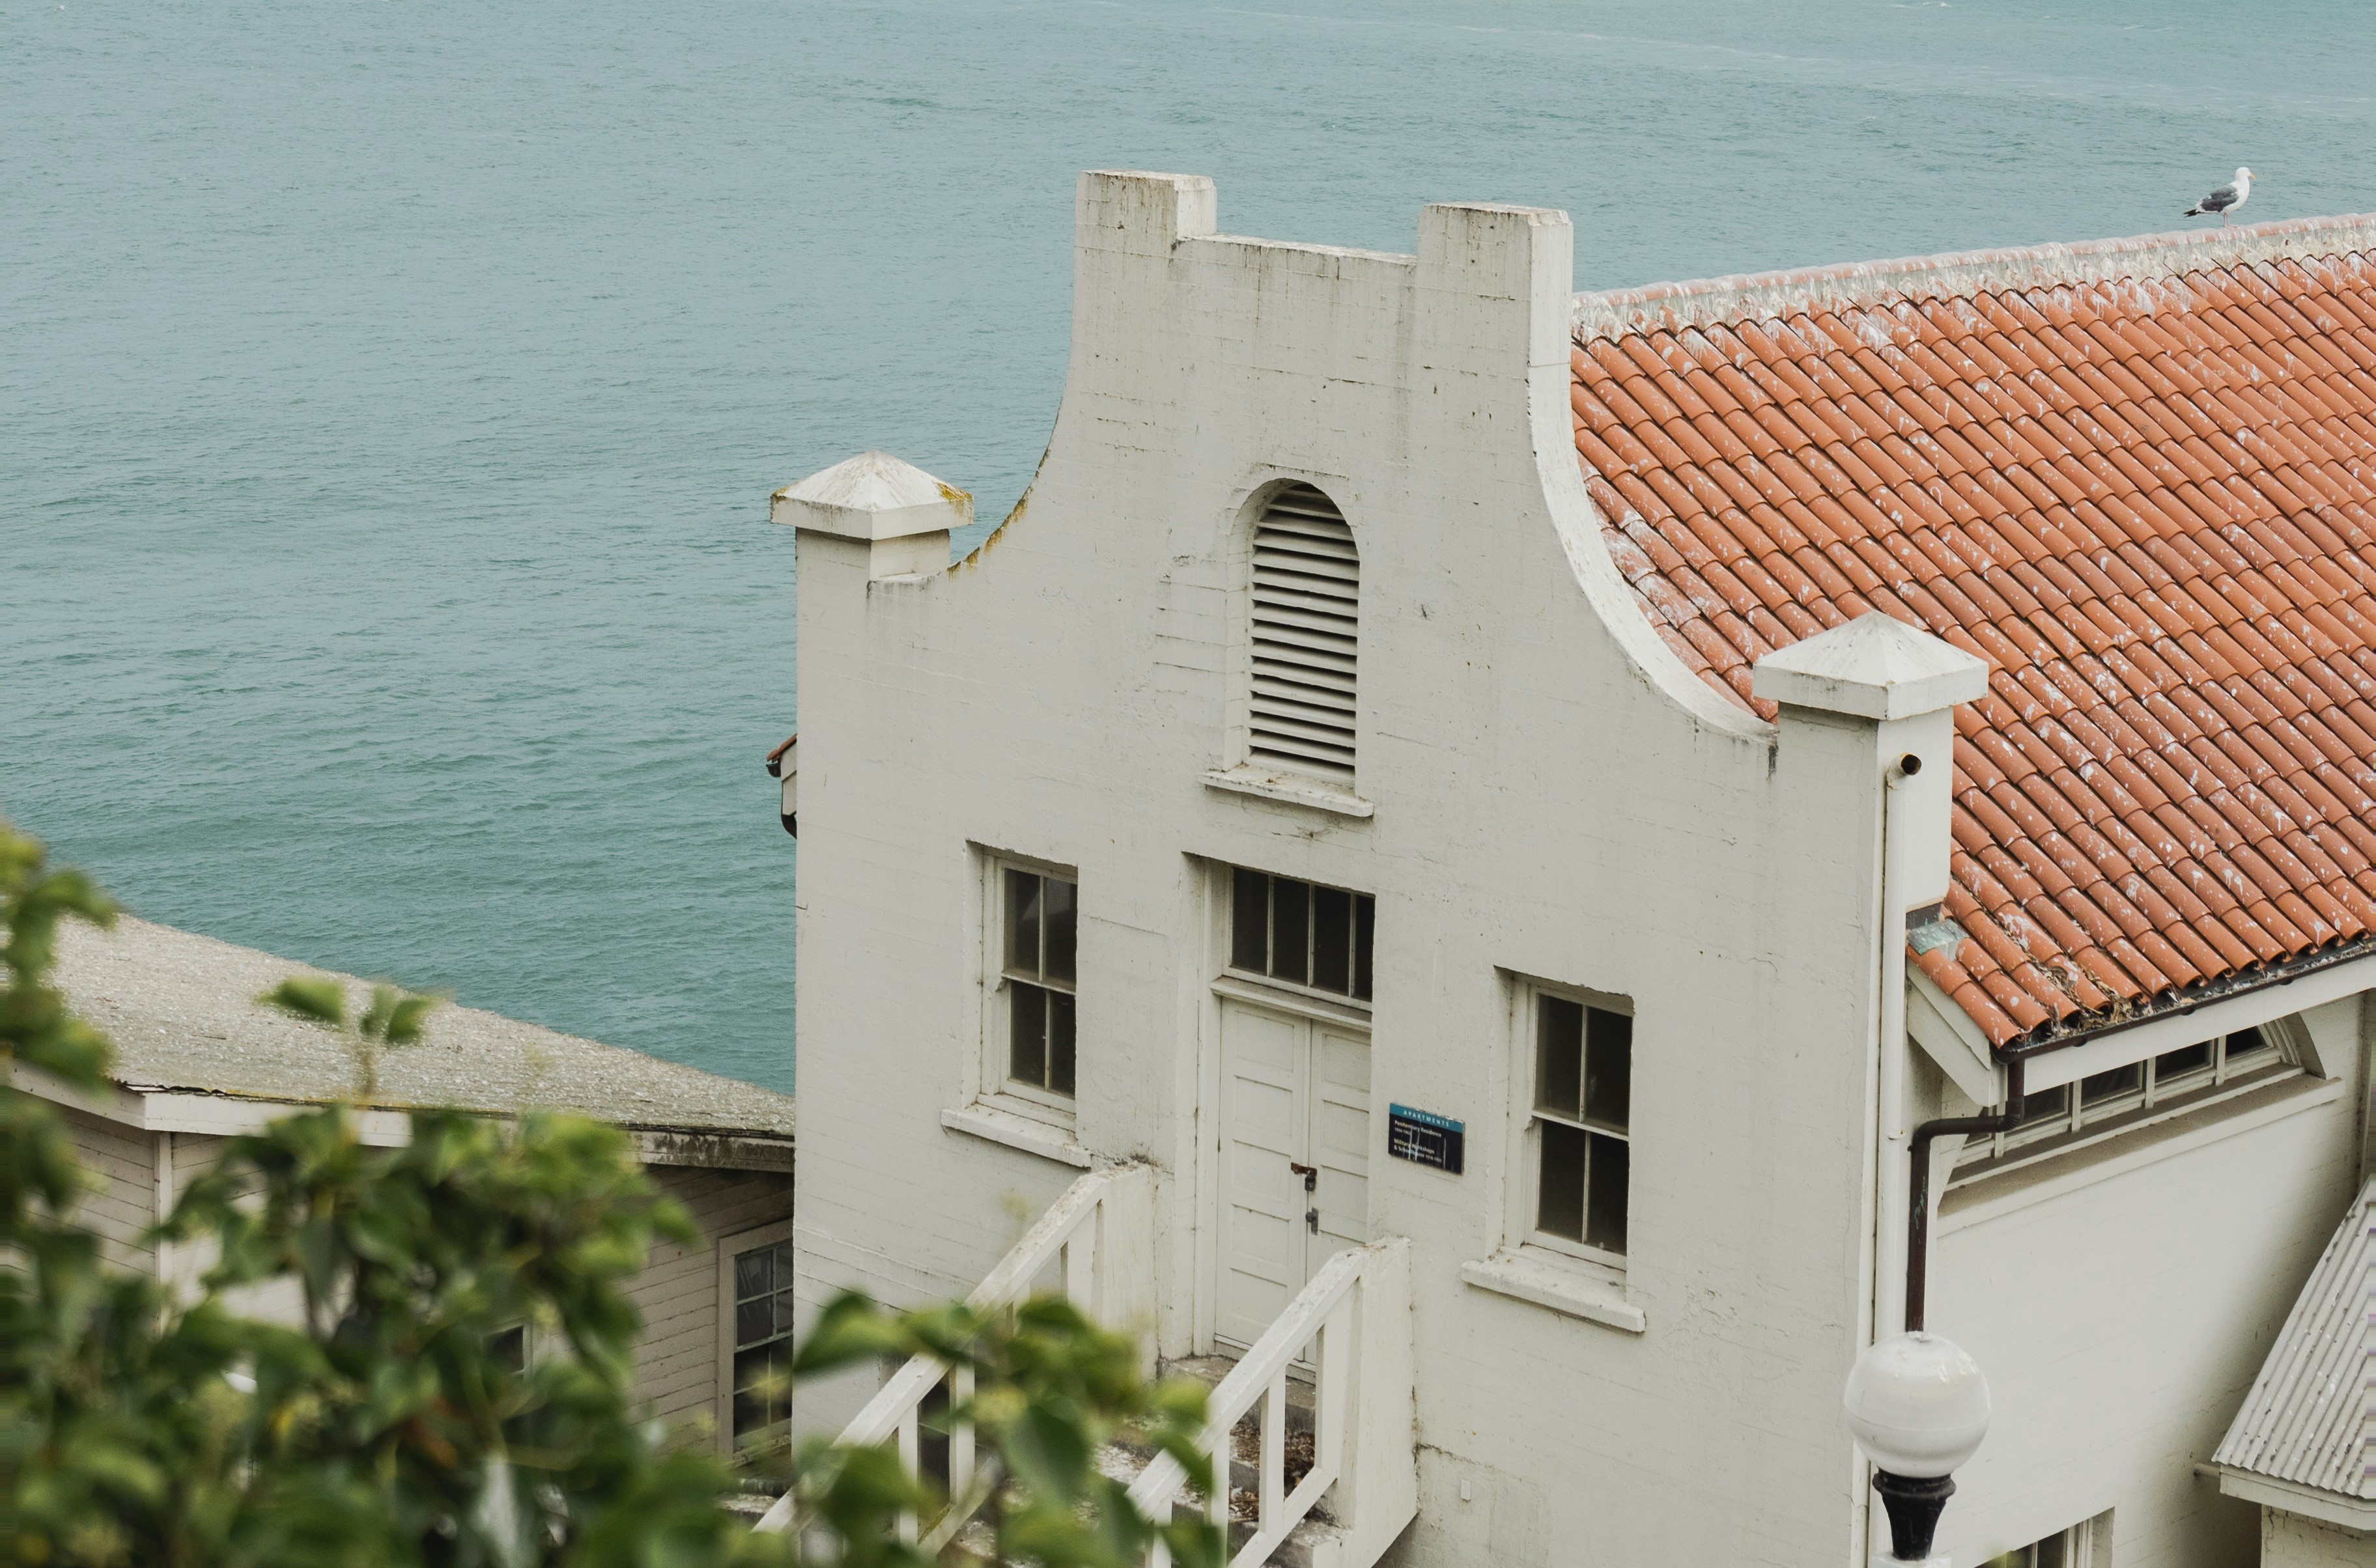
(1425, 1138)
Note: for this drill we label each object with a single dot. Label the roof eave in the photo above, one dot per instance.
(2357, 1513)
(2326, 962)
(152, 1108)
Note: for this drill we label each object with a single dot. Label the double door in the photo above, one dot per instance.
(1295, 1158)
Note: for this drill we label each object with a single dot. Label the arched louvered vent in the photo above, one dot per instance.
(1307, 593)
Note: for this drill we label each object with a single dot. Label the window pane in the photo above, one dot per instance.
(1022, 922)
(1605, 1225)
(753, 1273)
(1608, 1068)
(507, 1347)
(2052, 1551)
(2046, 1105)
(1059, 1042)
(1063, 901)
(2178, 1063)
(1559, 1055)
(761, 1399)
(1365, 927)
(1026, 1025)
(1559, 1204)
(755, 1321)
(2097, 1088)
(1331, 939)
(1250, 921)
(1290, 930)
(787, 1303)
(750, 1415)
(2246, 1042)
(783, 1266)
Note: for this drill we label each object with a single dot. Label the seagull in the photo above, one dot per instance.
(2225, 200)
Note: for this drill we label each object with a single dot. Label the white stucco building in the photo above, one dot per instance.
(1488, 817)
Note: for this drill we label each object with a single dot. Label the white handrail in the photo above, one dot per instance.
(1358, 1308)
(1099, 1232)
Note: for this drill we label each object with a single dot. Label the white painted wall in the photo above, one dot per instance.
(1542, 807)
(1555, 797)
(2290, 1541)
(2121, 1324)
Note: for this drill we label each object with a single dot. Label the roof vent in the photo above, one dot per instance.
(1307, 593)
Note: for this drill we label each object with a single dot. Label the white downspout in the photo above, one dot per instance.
(1893, 1175)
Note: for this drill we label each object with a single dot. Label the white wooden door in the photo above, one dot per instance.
(1295, 1158)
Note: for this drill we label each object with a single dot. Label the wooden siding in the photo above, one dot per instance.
(676, 1365)
(122, 1205)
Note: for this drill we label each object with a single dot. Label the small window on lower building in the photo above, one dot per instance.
(508, 1346)
(2102, 1104)
(1301, 933)
(763, 1346)
(1581, 1122)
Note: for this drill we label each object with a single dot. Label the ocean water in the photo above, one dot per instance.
(391, 394)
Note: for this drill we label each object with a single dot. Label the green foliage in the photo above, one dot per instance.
(383, 1428)
(1050, 1390)
(393, 1018)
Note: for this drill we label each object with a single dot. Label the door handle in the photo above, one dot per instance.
(1310, 1174)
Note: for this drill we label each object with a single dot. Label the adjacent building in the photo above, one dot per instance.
(199, 1061)
(1511, 809)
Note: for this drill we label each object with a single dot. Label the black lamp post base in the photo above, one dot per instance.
(1914, 1504)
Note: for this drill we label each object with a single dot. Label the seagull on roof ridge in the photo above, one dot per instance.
(2225, 200)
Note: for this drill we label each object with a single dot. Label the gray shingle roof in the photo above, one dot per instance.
(181, 1009)
(2303, 1421)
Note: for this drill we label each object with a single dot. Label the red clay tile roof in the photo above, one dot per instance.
(2138, 478)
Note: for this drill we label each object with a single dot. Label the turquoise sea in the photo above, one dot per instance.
(390, 394)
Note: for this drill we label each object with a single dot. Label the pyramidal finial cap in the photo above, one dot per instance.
(872, 496)
(1875, 666)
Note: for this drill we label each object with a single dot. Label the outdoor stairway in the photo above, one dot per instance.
(1313, 1423)
(1317, 1539)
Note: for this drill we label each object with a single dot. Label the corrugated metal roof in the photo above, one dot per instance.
(2305, 1420)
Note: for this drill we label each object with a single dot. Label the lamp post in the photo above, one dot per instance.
(1918, 1407)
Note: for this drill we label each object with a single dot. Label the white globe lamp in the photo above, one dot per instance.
(1918, 1408)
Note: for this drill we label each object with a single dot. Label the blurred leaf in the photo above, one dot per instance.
(315, 1000)
(372, 1025)
(406, 1019)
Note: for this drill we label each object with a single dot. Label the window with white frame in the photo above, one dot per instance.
(762, 1325)
(2105, 1104)
(1579, 1124)
(1038, 935)
(1301, 935)
(2063, 1548)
